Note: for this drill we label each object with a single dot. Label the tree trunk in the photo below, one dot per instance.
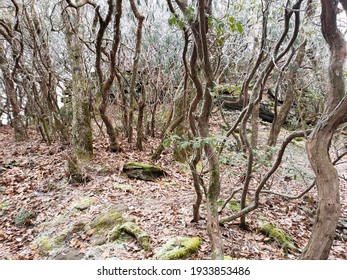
(19, 129)
(213, 190)
(319, 141)
(290, 92)
(106, 84)
(140, 18)
(82, 137)
(140, 119)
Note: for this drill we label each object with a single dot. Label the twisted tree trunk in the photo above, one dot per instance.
(318, 144)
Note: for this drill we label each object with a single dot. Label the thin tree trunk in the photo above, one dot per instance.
(105, 85)
(140, 119)
(140, 18)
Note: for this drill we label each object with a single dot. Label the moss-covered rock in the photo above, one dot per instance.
(3, 206)
(179, 248)
(65, 235)
(24, 218)
(146, 172)
(50, 242)
(47, 244)
(107, 220)
(83, 203)
(282, 238)
(134, 230)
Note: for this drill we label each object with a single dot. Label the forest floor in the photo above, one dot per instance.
(33, 177)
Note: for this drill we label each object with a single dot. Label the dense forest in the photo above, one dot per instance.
(173, 129)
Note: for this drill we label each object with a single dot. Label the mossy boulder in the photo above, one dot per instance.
(146, 172)
(179, 248)
(282, 238)
(107, 221)
(83, 203)
(24, 218)
(134, 230)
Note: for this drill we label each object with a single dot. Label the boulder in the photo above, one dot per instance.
(146, 172)
(107, 221)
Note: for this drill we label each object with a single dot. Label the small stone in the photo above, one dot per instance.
(69, 254)
(83, 203)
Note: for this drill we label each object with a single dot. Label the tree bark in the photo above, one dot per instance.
(318, 144)
(140, 18)
(82, 137)
(19, 129)
(105, 84)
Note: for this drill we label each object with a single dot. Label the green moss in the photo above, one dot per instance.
(143, 166)
(77, 227)
(228, 258)
(83, 203)
(142, 171)
(3, 206)
(123, 187)
(24, 218)
(47, 244)
(170, 184)
(282, 238)
(107, 221)
(179, 248)
(298, 141)
(134, 230)
(234, 206)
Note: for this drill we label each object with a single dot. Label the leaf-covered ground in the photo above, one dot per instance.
(33, 177)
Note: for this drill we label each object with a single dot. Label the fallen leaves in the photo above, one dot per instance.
(35, 179)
